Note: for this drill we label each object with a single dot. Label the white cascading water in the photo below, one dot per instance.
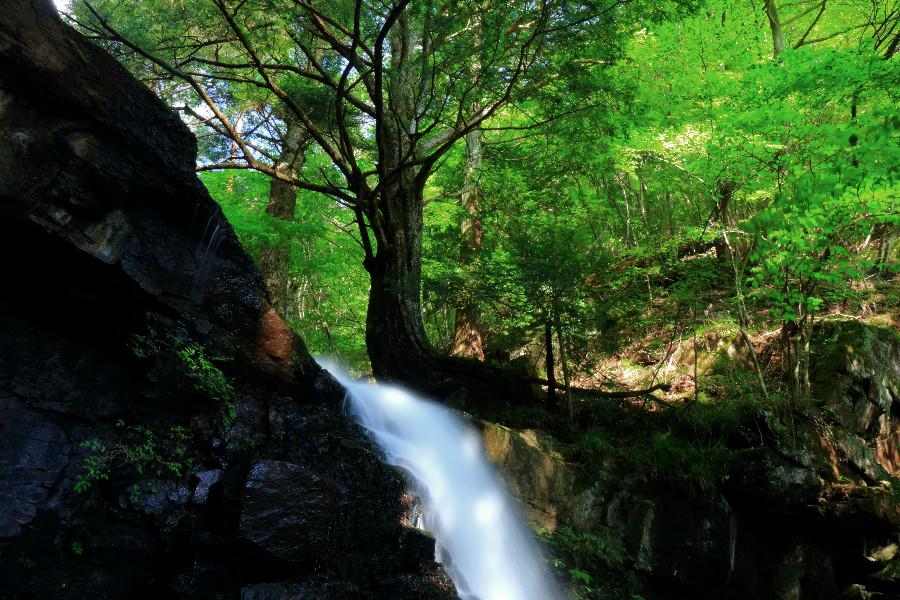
(482, 540)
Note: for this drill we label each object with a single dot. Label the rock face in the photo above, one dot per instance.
(858, 377)
(808, 510)
(536, 475)
(162, 433)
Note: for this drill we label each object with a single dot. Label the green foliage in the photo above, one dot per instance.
(670, 457)
(324, 263)
(595, 442)
(658, 174)
(691, 453)
(140, 450)
(149, 345)
(208, 379)
(94, 468)
(688, 446)
(595, 563)
(805, 240)
(199, 370)
(205, 376)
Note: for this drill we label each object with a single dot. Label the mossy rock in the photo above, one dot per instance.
(856, 365)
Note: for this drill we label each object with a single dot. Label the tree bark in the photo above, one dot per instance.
(696, 378)
(395, 332)
(629, 234)
(551, 375)
(642, 192)
(235, 150)
(396, 340)
(775, 26)
(468, 338)
(570, 400)
(274, 259)
(726, 189)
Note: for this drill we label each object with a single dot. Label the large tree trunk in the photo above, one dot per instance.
(274, 259)
(398, 347)
(395, 332)
(550, 362)
(468, 339)
(570, 401)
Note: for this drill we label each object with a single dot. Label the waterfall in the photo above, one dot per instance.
(481, 538)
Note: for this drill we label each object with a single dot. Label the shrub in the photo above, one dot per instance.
(138, 449)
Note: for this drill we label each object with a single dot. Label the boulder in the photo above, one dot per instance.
(535, 475)
(286, 509)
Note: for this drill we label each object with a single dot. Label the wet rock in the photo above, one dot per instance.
(33, 453)
(203, 580)
(205, 481)
(286, 510)
(300, 591)
(412, 545)
(435, 587)
(273, 591)
(774, 482)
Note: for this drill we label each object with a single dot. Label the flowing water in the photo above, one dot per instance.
(482, 540)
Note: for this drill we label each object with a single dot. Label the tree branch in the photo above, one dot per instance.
(665, 387)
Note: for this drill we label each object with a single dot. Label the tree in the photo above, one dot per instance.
(838, 187)
(692, 168)
(578, 164)
(274, 259)
(468, 338)
(401, 95)
(805, 24)
(329, 291)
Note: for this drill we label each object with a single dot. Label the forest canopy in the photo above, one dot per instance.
(541, 183)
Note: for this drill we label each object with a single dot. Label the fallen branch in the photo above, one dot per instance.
(604, 394)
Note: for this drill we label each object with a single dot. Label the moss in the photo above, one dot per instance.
(840, 337)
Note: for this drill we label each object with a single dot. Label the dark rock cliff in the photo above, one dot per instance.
(162, 433)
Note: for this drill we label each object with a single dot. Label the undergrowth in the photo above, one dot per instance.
(686, 443)
(198, 368)
(140, 450)
(594, 564)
